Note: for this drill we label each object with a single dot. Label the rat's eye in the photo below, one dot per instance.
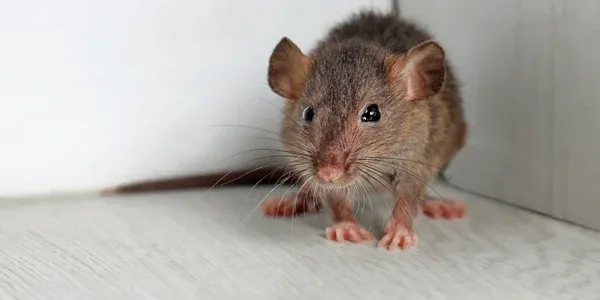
(371, 114)
(308, 114)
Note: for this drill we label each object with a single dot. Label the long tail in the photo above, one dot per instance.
(395, 8)
(263, 177)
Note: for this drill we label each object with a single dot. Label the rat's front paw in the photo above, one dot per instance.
(348, 232)
(397, 237)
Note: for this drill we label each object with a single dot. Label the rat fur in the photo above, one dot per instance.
(371, 58)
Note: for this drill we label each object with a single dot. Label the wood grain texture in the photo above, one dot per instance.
(200, 245)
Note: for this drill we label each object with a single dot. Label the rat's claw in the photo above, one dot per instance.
(348, 232)
(398, 237)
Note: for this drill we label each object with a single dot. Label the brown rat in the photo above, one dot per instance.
(375, 105)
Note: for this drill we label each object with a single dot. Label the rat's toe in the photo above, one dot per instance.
(398, 237)
(348, 232)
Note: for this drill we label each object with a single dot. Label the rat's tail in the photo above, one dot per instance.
(262, 176)
(395, 8)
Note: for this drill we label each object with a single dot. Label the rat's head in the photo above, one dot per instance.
(351, 103)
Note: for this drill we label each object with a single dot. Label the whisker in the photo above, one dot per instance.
(362, 200)
(256, 169)
(383, 198)
(354, 198)
(311, 193)
(248, 172)
(373, 169)
(370, 202)
(231, 171)
(412, 197)
(369, 144)
(277, 140)
(283, 200)
(258, 182)
(419, 179)
(245, 126)
(377, 179)
(385, 159)
(286, 116)
(262, 149)
(368, 181)
(263, 199)
(295, 202)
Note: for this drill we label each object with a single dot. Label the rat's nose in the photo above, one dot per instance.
(330, 173)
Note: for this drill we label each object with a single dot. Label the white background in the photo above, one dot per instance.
(97, 93)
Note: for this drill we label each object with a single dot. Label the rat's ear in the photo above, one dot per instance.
(288, 69)
(421, 72)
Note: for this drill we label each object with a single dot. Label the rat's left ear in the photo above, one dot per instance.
(420, 73)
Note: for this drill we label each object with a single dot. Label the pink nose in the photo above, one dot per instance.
(330, 173)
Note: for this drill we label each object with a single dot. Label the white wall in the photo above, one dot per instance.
(95, 93)
(531, 72)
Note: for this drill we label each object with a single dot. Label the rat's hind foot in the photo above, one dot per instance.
(448, 209)
(397, 237)
(348, 232)
(289, 206)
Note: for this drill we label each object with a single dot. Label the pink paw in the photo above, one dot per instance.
(278, 206)
(398, 237)
(450, 209)
(348, 232)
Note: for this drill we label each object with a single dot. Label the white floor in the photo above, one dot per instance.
(199, 245)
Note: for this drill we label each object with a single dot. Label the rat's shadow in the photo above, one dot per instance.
(370, 213)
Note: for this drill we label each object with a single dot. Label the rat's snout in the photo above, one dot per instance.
(332, 167)
(330, 173)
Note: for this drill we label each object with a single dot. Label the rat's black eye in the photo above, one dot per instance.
(308, 114)
(371, 114)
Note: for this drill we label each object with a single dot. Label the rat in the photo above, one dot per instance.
(374, 105)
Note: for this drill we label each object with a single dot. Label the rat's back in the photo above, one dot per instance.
(386, 30)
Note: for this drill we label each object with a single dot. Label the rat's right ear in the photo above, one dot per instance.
(288, 69)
